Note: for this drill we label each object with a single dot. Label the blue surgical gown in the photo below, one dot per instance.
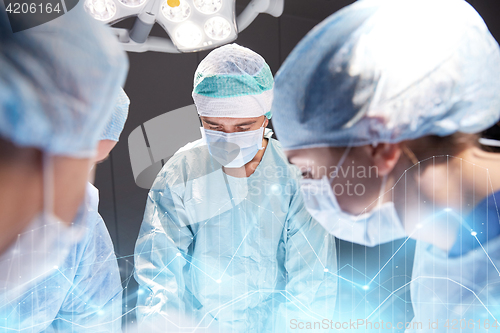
(83, 295)
(239, 254)
(460, 293)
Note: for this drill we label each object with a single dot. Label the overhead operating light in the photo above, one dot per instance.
(218, 28)
(188, 35)
(132, 3)
(178, 13)
(193, 25)
(102, 10)
(208, 6)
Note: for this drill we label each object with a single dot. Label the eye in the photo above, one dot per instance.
(307, 174)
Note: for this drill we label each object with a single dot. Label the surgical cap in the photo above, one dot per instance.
(235, 82)
(115, 125)
(58, 83)
(389, 71)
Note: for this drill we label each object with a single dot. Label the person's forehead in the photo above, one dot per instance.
(305, 152)
(230, 121)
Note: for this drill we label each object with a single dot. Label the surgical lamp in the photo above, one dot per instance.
(193, 25)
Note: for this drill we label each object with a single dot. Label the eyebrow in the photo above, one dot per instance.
(247, 123)
(241, 124)
(210, 122)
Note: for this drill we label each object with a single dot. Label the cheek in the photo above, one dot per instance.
(432, 185)
(353, 196)
(18, 208)
(70, 182)
(357, 188)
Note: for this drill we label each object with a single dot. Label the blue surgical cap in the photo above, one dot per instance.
(58, 83)
(389, 71)
(115, 125)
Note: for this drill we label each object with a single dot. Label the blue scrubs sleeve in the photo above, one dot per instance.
(310, 263)
(94, 301)
(160, 255)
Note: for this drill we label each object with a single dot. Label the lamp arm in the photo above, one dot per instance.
(157, 44)
(142, 27)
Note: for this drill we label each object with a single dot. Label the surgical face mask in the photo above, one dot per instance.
(40, 249)
(380, 225)
(233, 150)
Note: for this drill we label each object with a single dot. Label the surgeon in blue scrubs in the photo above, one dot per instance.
(406, 88)
(226, 238)
(85, 290)
(58, 84)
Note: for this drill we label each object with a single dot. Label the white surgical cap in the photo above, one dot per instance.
(388, 71)
(115, 125)
(234, 82)
(58, 83)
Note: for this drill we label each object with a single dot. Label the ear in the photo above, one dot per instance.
(385, 156)
(266, 122)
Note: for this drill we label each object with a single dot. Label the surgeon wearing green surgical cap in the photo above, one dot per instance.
(226, 238)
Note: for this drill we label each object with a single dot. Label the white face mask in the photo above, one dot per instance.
(40, 249)
(381, 225)
(233, 150)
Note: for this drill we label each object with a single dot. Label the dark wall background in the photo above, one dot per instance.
(161, 82)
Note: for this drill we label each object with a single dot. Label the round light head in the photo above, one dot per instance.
(188, 35)
(217, 28)
(176, 13)
(208, 6)
(133, 3)
(102, 10)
